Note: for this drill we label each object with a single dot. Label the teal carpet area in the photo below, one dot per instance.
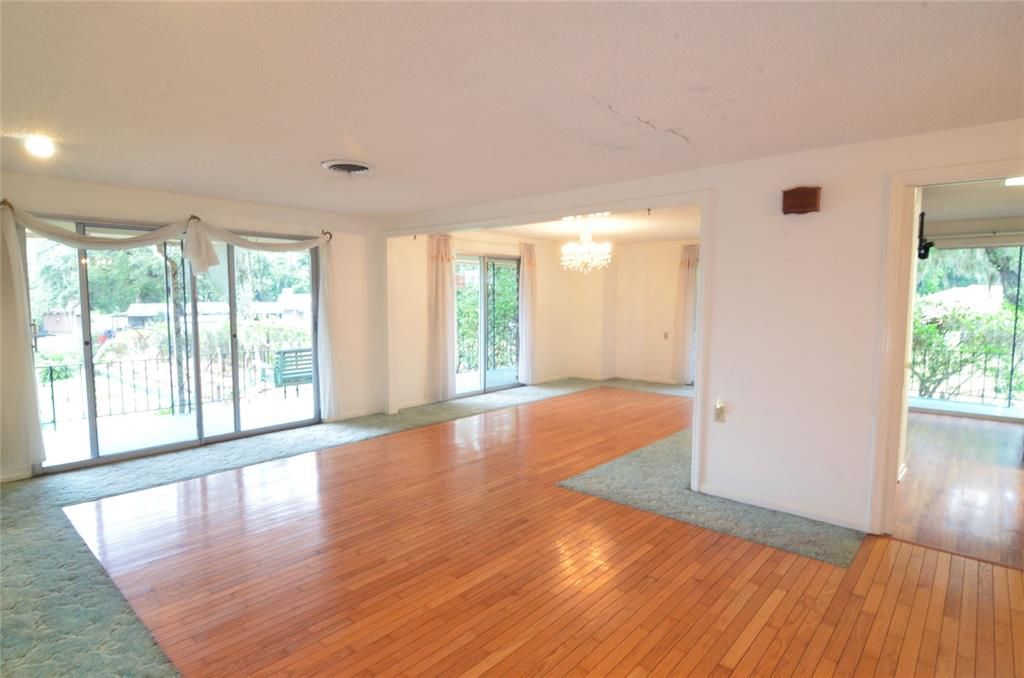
(656, 478)
(61, 615)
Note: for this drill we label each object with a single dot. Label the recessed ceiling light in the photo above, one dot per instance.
(1014, 181)
(40, 145)
(349, 167)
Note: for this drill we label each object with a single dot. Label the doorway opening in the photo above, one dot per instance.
(961, 476)
(486, 323)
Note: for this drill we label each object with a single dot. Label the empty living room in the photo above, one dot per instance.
(511, 338)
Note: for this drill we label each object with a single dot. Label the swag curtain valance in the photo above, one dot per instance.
(196, 233)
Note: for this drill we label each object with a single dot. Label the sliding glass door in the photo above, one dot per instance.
(274, 338)
(501, 348)
(60, 351)
(214, 323)
(486, 323)
(140, 345)
(134, 351)
(469, 377)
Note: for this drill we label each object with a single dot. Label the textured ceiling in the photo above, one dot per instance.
(665, 223)
(459, 104)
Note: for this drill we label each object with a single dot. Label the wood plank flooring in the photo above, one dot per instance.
(449, 550)
(964, 487)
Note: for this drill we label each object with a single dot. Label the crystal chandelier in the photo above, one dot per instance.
(585, 255)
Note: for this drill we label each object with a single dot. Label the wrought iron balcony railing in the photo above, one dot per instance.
(981, 377)
(161, 385)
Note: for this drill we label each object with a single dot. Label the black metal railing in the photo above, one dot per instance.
(163, 385)
(991, 377)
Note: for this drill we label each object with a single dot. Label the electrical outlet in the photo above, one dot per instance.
(720, 411)
(666, 335)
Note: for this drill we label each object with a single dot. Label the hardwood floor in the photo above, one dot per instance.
(449, 550)
(964, 487)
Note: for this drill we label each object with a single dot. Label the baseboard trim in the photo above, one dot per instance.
(345, 416)
(708, 488)
(16, 475)
(649, 380)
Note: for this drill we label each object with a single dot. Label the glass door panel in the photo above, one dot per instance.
(55, 305)
(468, 326)
(276, 362)
(502, 346)
(141, 345)
(216, 374)
(134, 352)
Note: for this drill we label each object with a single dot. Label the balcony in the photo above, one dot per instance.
(143, 403)
(973, 382)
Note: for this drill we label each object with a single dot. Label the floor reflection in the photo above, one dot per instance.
(963, 487)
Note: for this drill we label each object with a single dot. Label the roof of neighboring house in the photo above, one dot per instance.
(141, 309)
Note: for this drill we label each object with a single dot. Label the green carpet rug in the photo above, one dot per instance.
(60, 615)
(656, 478)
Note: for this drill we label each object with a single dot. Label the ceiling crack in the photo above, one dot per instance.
(643, 121)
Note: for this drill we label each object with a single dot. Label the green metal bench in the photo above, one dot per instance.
(293, 366)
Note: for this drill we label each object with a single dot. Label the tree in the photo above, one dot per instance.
(1007, 263)
(54, 287)
(951, 349)
(176, 290)
(954, 268)
(502, 299)
(119, 278)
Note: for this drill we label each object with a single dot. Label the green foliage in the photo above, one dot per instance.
(503, 316)
(960, 345)
(262, 276)
(954, 268)
(467, 327)
(119, 278)
(958, 352)
(502, 298)
(55, 367)
(53, 276)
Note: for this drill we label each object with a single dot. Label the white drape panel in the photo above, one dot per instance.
(684, 357)
(21, 438)
(327, 366)
(440, 318)
(527, 311)
(198, 236)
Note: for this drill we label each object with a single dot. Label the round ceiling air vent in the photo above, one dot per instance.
(349, 167)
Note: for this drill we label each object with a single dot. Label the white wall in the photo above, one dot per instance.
(645, 308)
(794, 333)
(356, 260)
(406, 322)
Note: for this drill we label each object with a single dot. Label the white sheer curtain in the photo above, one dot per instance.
(21, 441)
(441, 318)
(684, 358)
(21, 438)
(327, 367)
(527, 310)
